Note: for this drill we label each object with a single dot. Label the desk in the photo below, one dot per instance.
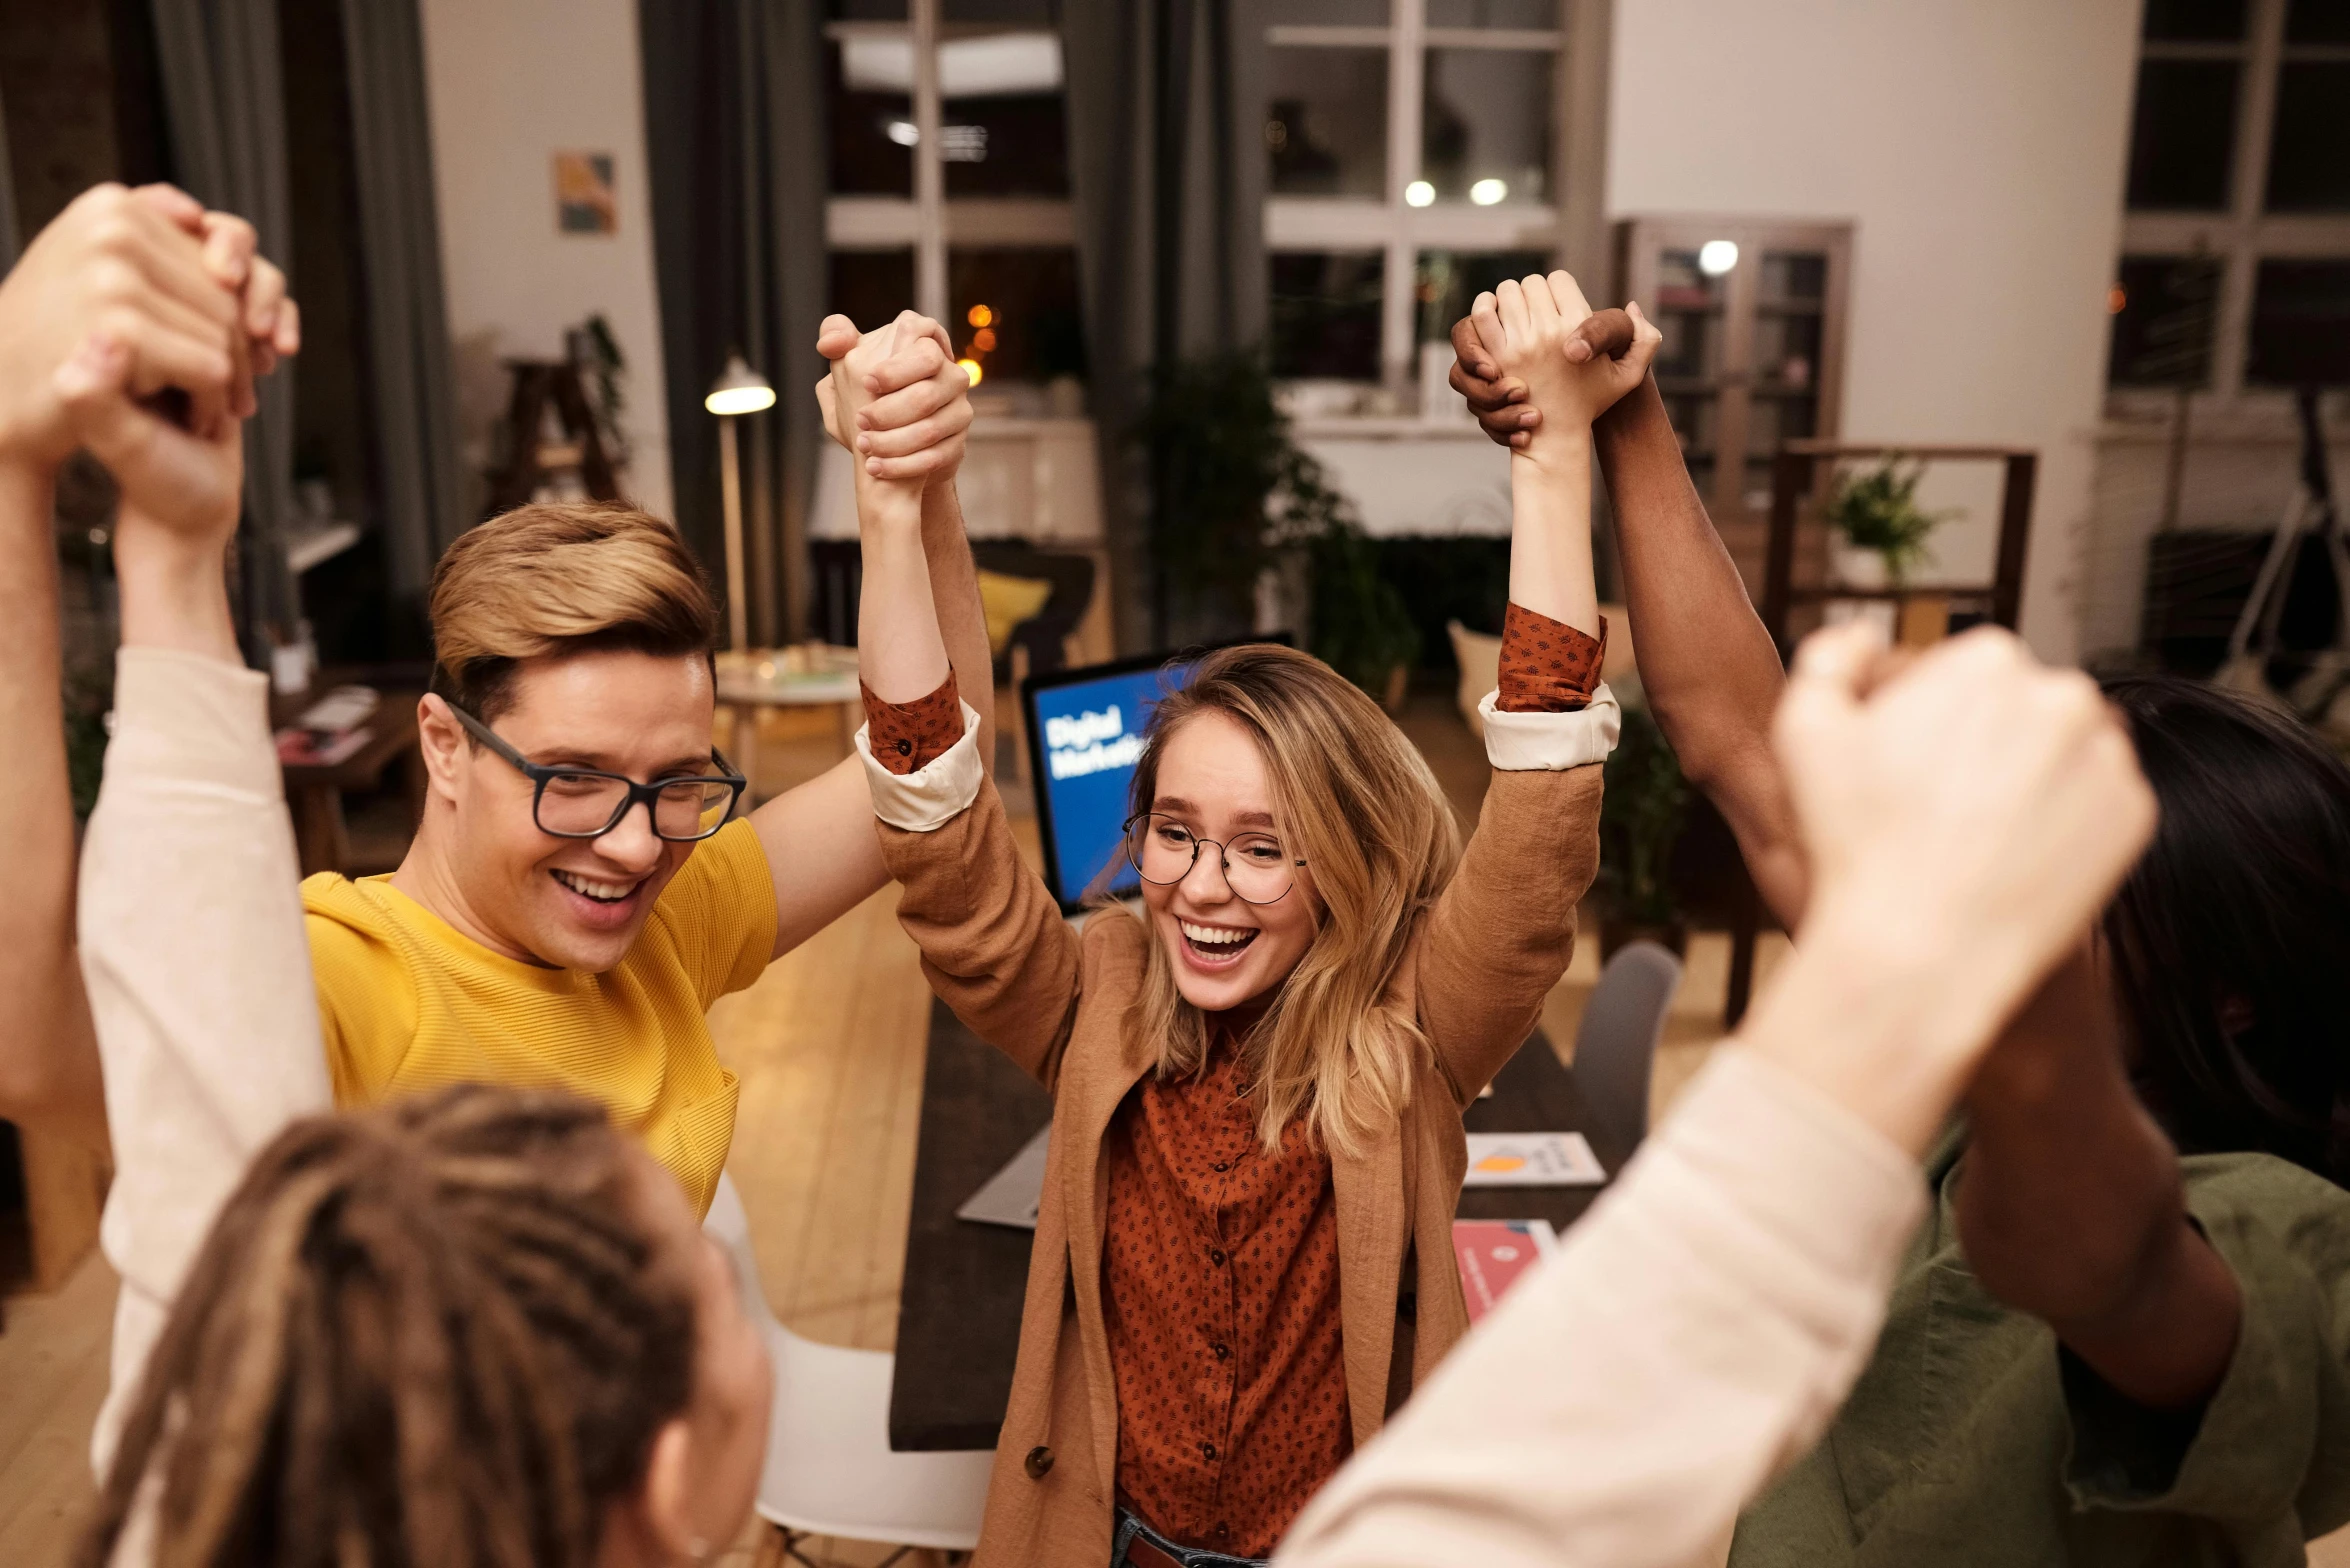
(321, 835)
(959, 1305)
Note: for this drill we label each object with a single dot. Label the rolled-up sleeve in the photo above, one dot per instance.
(2268, 1459)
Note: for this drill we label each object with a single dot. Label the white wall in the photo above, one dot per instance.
(511, 83)
(1978, 148)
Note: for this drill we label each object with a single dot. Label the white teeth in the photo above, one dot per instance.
(1211, 936)
(609, 892)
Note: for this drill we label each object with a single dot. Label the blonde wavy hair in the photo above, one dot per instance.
(1357, 801)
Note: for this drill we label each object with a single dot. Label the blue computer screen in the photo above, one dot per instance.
(1091, 733)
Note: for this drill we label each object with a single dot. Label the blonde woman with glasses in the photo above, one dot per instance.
(1243, 1261)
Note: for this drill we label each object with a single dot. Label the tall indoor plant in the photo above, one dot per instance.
(1641, 814)
(1235, 498)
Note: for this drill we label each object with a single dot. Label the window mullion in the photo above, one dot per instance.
(2240, 265)
(930, 250)
(1405, 81)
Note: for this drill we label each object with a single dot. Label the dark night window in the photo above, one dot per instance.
(2162, 321)
(2183, 134)
(2301, 324)
(2195, 21)
(2309, 159)
(1325, 313)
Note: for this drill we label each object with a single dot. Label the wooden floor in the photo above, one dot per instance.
(829, 1046)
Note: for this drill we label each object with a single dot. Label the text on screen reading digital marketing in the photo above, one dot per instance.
(1093, 741)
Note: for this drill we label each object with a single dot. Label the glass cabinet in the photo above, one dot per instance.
(1753, 316)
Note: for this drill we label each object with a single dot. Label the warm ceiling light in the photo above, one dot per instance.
(1716, 257)
(904, 132)
(2117, 300)
(980, 316)
(1486, 192)
(1419, 194)
(739, 390)
(971, 369)
(983, 341)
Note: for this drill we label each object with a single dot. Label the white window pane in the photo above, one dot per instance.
(1326, 122)
(1485, 129)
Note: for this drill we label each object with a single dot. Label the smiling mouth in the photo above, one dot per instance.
(1215, 945)
(595, 890)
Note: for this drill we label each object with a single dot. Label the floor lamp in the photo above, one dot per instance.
(739, 390)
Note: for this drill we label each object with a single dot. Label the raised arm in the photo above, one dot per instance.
(1700, 1327)
(1503, 930)
(992, 938)
(1707, 666)
(160, 278)
(2071, 1208)
(191, 919)
(816, 835)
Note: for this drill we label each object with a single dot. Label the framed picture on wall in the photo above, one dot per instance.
(584, 203)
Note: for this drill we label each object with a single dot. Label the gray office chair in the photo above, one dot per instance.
(1616, 1045)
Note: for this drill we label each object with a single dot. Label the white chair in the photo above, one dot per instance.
(830, 1469)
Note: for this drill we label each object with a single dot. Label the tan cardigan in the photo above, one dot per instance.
(1059, 1004)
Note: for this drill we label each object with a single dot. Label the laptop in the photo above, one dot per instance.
(1085, 731)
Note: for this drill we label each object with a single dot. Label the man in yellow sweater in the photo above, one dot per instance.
(576, 897)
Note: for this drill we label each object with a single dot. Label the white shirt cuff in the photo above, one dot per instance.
(933, 795)
(1550, 742)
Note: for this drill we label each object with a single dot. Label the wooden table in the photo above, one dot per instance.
(959, 1303)
(321, 834)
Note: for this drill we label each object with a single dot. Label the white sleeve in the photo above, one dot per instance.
(198, 970)
(1554, 742)
(1693, 1335)
(933, 795)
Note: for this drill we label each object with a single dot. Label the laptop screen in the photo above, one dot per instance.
(1085, 731)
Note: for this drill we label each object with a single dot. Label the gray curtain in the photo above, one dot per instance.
(1166, 162)
(735, 140)
(226, 112)
(412, 404)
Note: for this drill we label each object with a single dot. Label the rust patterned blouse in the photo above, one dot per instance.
(1220, 1261)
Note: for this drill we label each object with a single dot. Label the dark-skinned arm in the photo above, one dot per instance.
(1707, 666)
(2070, 1205)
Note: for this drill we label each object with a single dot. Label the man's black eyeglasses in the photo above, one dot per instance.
(583, 803)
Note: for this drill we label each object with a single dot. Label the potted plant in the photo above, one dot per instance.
(1880, 529)
(1235, 499)
(1640, 819)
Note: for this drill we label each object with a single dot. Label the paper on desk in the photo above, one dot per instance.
(1533, 1159)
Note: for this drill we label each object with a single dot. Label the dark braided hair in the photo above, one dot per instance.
(431, 1335)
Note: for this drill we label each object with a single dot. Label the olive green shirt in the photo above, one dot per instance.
(1972, 1439)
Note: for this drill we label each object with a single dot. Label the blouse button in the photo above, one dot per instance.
(1207, 1451)
(1039, 1460)
(905, 748)
(1216, 1255)
(1223, 1165)
(1222, 1351)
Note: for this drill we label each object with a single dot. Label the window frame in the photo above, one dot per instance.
(928, 221)
(2243, 234)
(1570, 224)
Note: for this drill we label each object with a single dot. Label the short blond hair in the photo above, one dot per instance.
(561, 577)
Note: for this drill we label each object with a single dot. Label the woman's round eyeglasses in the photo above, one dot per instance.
(585, 803)
(1256, 866)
